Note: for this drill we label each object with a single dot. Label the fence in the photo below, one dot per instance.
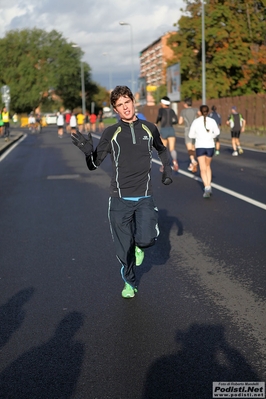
(251, 107)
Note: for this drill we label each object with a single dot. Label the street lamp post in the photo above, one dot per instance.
(132, 54)
(83, 88)
(82, 84)
(110, 71)
(203, 54)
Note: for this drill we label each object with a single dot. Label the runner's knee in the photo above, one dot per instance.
(143, 244)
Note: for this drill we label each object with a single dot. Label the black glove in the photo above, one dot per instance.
(166, 176)
(83, 144)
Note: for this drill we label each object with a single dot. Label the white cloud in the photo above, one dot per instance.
(94, 26)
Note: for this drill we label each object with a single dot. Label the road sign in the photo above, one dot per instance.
(5, 90)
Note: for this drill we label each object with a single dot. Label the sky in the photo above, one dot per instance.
(94, 26)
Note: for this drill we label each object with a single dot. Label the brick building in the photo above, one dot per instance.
(153, 61)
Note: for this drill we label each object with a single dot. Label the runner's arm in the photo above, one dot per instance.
(243, 125)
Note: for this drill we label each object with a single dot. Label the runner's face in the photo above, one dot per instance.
(124, 107)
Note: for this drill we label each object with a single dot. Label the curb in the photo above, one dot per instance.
(9, 144)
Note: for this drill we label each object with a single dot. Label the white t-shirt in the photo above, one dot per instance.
(60, 120)
(73, 121)
(31, 120)
(204, 138)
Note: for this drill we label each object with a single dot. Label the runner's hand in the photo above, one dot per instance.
(86, 146)
(166, 175)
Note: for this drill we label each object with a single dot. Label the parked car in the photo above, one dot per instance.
(51, 119)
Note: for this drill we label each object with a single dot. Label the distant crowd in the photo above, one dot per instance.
(71, 121)
(90, 122)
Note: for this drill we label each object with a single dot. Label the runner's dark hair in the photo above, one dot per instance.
(188, 101)
(204, 109)
(120, 91)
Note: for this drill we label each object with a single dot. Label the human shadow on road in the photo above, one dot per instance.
(204, 357)
(12, 314)
(160, 252)
(47, 371)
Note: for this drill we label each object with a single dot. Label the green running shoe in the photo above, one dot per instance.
(128, 291)
(139, 255)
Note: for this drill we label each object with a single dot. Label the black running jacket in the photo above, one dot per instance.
(130, 146)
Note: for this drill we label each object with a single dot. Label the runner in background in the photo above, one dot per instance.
(1, 125)
(60, 124)
(6, 120)
(187, 116)
(32, 122)
(67, 120)
(87, 122)
(93, 119)
(80, 121)
(204, 130)
(237, 124)
(167, 118)
(73, 122)
(217, 117)
(100, 121)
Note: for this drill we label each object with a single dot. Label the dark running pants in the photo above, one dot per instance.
(6, 129)
(132, 223)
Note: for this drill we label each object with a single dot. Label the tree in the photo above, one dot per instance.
(160, 92)
(102, 98)
(235, 36)
(38, 65)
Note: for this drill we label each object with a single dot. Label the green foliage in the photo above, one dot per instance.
(160, 92)
(235, 43)
(101, 97)
(43, 68)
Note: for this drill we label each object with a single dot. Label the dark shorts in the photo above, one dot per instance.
(235, 135)
(188, 140)
(208, 152)
(166, 132)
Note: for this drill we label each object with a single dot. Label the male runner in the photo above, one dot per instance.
(237, 124)
(132, 212)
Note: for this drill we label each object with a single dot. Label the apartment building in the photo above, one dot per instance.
(153, 61)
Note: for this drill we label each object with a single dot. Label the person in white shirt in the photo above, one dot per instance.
(60, 124)
(31, 122)
(204, 129)
(73, 123)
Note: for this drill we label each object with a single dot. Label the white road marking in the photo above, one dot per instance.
(214, 185)
(5, 154)
(221, 188)
(62, 177)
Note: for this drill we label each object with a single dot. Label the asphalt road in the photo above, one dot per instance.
(199, 315)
